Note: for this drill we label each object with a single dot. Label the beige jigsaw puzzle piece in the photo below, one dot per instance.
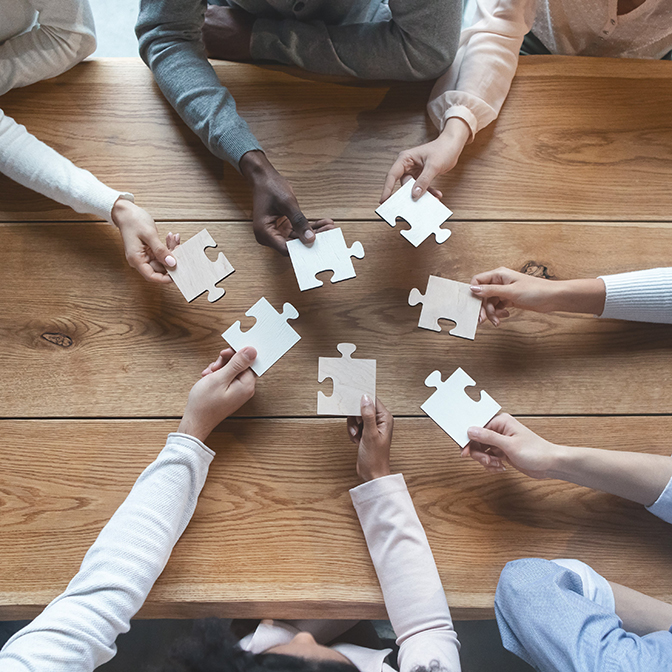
(195, 273)
(352, 378)
(449, 300)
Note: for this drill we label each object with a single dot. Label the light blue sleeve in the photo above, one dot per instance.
(545, 619)
(662, 507)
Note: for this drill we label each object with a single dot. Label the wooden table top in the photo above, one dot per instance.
(571, 181)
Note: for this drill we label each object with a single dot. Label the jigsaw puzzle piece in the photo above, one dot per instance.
(454, 411)
(425, 216)
(328, 252)
(449, 300)
(352, 378)
(194, 272)
(271, 335)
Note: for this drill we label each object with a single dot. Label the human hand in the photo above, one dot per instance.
(144, 250)
(225, 386)
(427, 161)
(505, 440)
(227, 33)
(372, 432)
(276, 216)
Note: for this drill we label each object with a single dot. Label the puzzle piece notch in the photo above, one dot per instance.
(425, 216)
(328, 252)
(448, 300)
(352, 378)
(453, 410)
(271, 335)
(195, 273)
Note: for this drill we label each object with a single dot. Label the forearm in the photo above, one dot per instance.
(417, 42)
(577, 296)
(35, 165)
(65, 36)
(169, 36)
(640, 613)
(78, 629)
(639, 477)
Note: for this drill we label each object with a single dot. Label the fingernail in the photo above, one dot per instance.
(170, 261)
(177, 237)
(495, 321)
(309, 235)
(352, 431)
(475, 288)
(417, 191)
(473, 432)
(366, 400)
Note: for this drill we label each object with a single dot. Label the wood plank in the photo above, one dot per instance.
(86, 336)
(566, 146)
(275, 534)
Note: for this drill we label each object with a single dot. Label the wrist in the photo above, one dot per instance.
(456, 128)
(192, 428)
(563, 462)
(579, 296)
(121, 209)
(374, 473)
(255, 166)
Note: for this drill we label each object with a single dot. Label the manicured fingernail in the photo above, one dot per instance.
(417, 191)
(177, 237)
(170, 261)
(352, 431)
(473, 432)
(495, 321)
(475, 288)
(309, 235)
(366, 400)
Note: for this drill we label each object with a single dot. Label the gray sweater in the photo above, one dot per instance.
(371, 39)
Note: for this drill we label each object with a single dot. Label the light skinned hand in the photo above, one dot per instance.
(227, 385)
(426, 162)
(144, 250)
(372, 432)
(503, 288)
(505, 440)
(227, 33)
(276, 215)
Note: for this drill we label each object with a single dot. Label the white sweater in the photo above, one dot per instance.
(639, 296)
(77, 631)
(41, 39)
(477, 83)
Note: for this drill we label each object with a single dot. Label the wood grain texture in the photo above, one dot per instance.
(85, 336)
(578, 138)
(275, 534)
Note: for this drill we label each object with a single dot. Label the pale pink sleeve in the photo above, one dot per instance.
(476, 84)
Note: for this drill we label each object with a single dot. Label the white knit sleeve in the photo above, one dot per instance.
(639, 296)
(77, 631)
(65, 35)
(412, 589)
(30, 162)
(476, 84)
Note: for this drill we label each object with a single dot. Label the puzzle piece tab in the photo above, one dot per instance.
(424, 215)
(450, 300)
(327, 253)
(195, 273)
(271, 335)
(352, 378)
(451, 408)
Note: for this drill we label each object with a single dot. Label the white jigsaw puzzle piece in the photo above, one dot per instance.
(271, 335)
(426, 215)
(352, 378)
(327, 253)
(450, 300)
(194, 272)
(451, 408)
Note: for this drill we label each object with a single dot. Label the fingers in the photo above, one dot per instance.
(369, 426)
(159, 250)
(354, 426)
(222, 359)
(238, 363)
(172, 240)
(489, 437)
(396, 172)
(147, 272)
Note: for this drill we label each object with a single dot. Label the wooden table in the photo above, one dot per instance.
(573, 180)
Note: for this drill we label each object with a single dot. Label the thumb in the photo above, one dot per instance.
(489, 291)
(240, 362)
(429, 172)
(301, 227)
(161, 252)
(368, 409)
(489, 438)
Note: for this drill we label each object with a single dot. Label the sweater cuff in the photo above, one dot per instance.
(238, 141)
(191, 443)
(641, 296)
(378, 487)
(662, 507)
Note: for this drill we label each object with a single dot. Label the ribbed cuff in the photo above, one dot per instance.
(662, 507)
(237, 141)
(640, 296)
(190, 442)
